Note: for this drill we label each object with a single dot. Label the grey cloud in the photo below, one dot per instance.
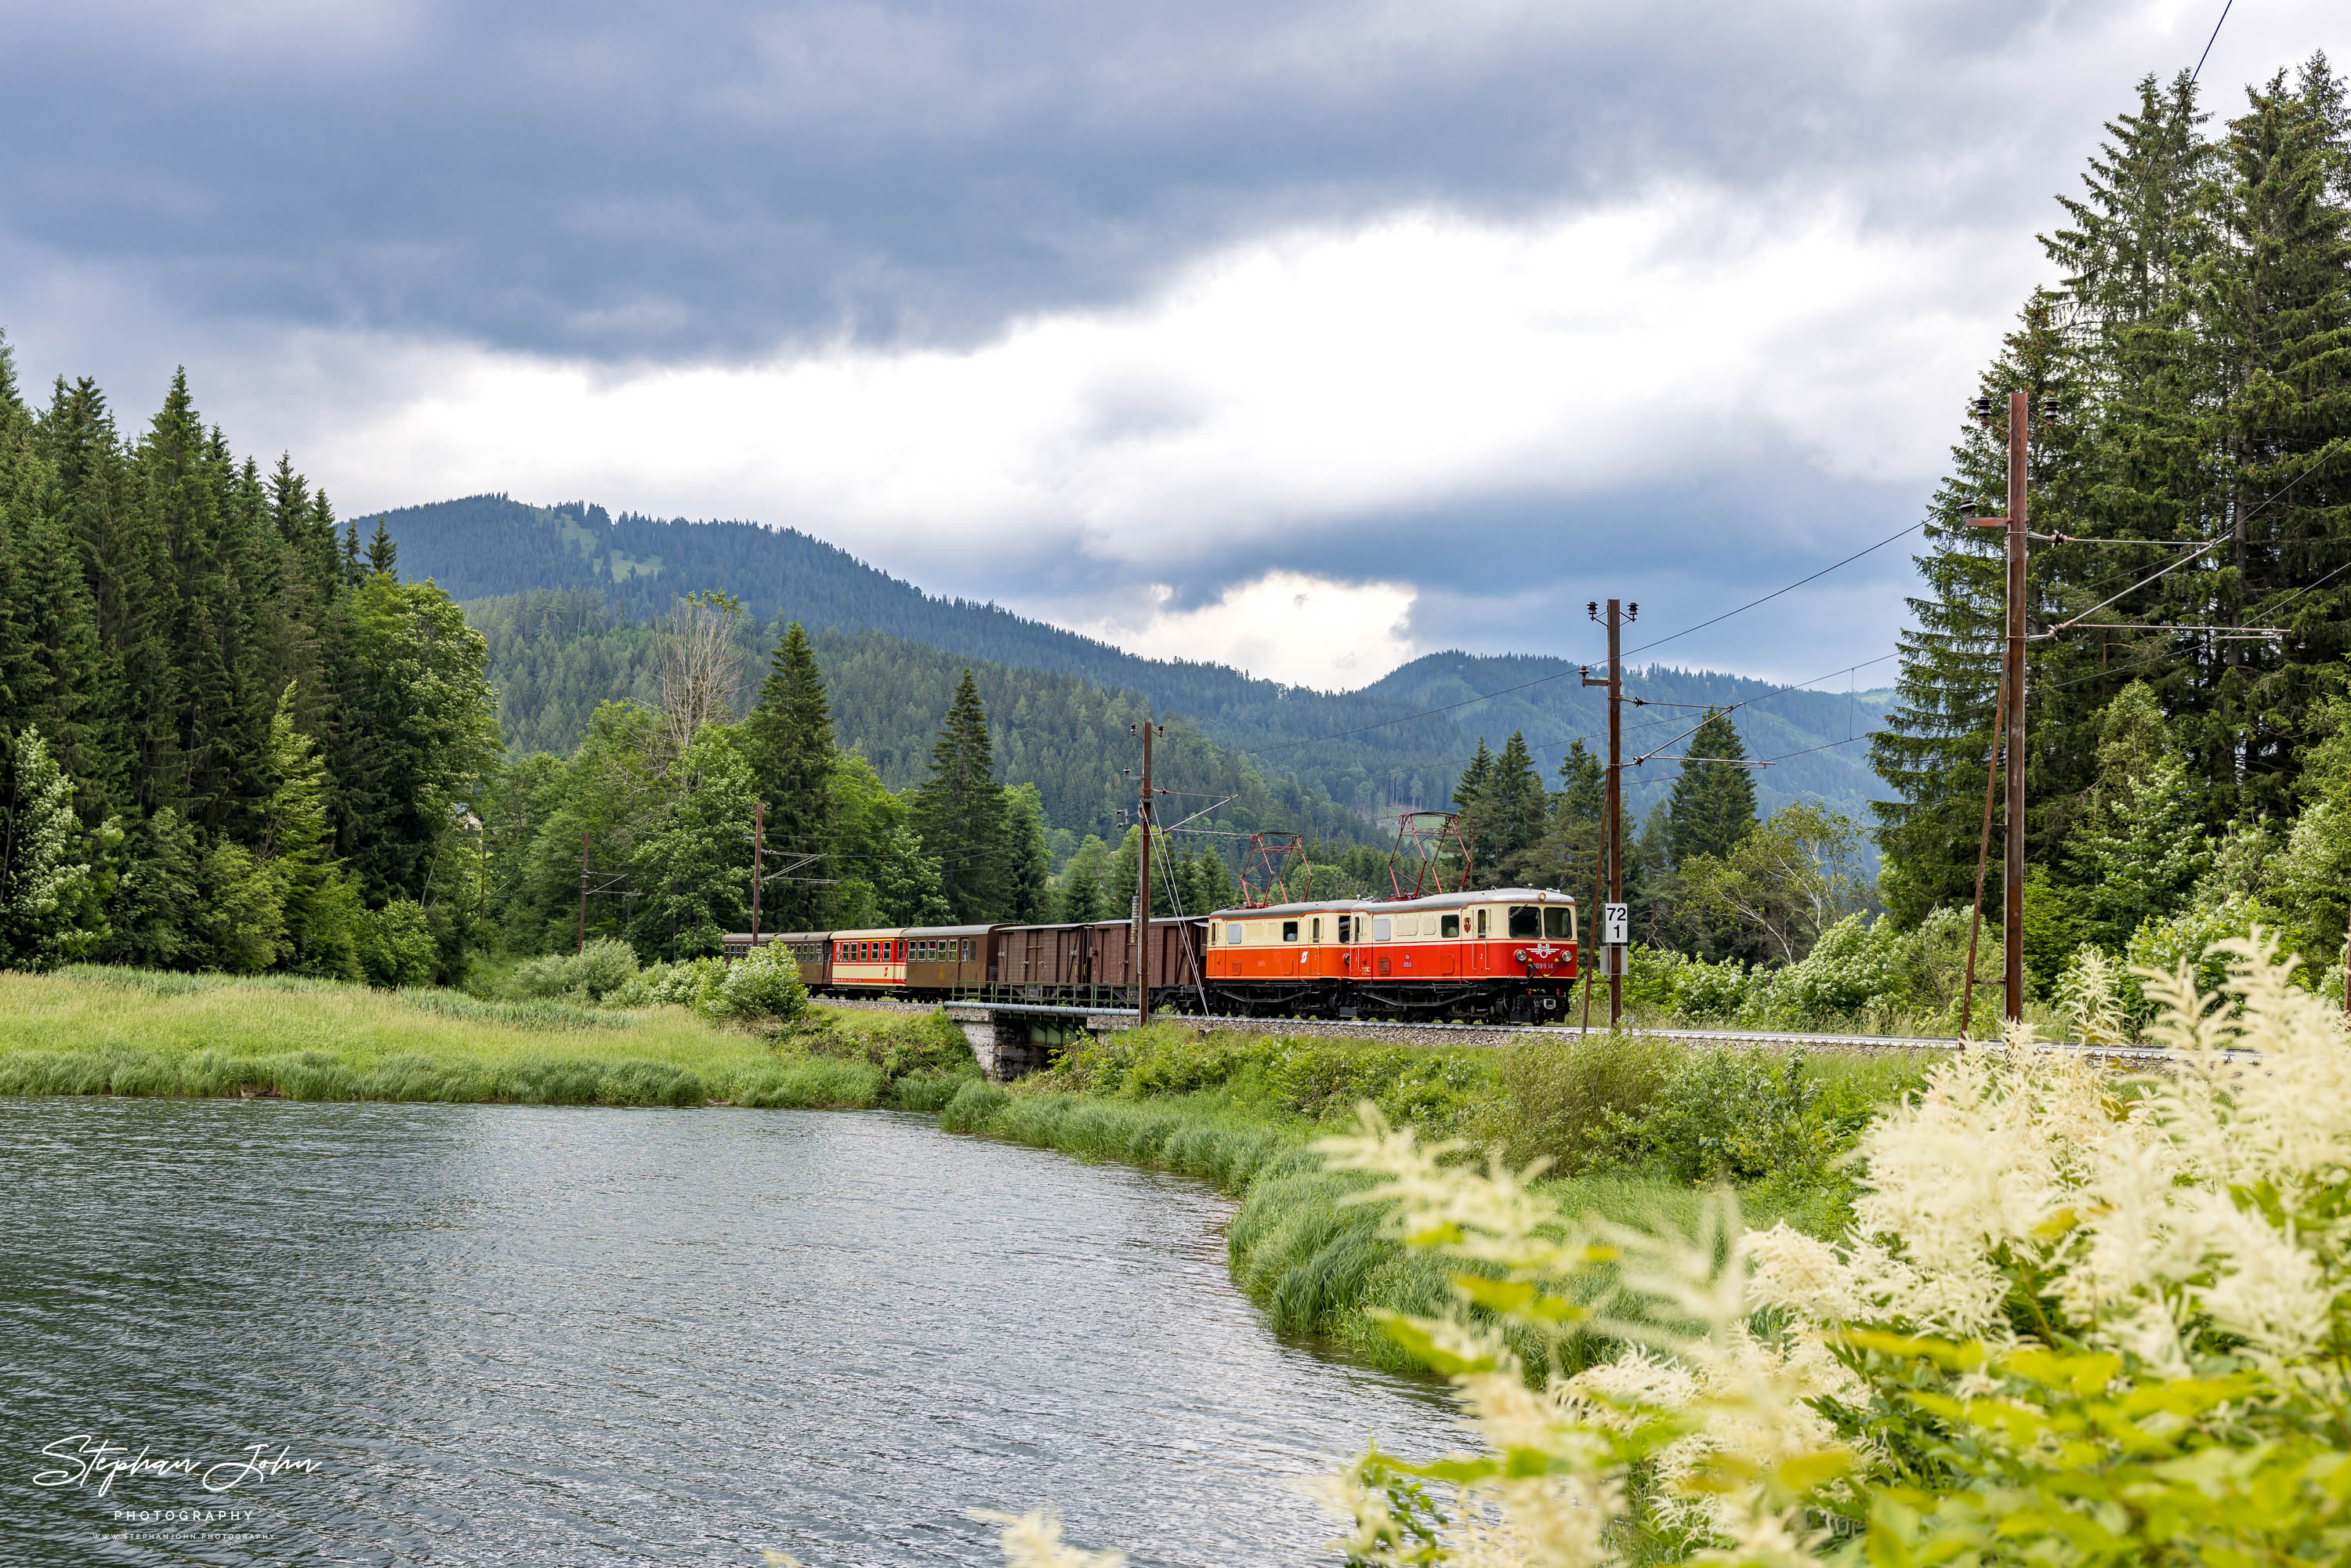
(698, 180)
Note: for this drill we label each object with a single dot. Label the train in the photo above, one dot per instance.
(1504, 955)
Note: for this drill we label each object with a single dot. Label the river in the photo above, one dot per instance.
(495, 1334)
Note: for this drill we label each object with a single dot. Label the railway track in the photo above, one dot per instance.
(1401, 1033)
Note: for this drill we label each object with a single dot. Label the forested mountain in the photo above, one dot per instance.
(556, 655)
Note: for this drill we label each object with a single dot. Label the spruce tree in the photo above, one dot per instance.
(789, 738)
(1515, 802)
(1081, 894)
(1028, 890)
(296, 843)
(217, 720)
(1575, 818)
(959, 811)
(1937, 743)
(1582, 786)
(2274, 305)
(1468, 804)
(382, 555)
(130, 684)
(1712, 806)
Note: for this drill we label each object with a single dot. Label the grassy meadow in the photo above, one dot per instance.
(92, 1030)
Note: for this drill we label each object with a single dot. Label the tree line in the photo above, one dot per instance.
(2196, 360)
(230, 736)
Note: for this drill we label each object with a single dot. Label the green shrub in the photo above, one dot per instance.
(1563, 1100)
(395, 945)
(602, 970)
(1446, 1090)
(763, 988)
(921, 1042)
(1728, 1116)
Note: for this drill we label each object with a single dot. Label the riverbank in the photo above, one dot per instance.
(1637, 1130)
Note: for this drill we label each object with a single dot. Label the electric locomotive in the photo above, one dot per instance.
(1506, 953)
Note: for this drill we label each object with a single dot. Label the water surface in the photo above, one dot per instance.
(561, 1335)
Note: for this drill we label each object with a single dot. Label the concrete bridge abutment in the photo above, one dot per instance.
(1014, 1041)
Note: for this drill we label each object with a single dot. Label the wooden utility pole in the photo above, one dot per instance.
(759, 855)
(2020, 433)
(1611, 826)
(2020, 420)
(1142, 890)
(1983, 856)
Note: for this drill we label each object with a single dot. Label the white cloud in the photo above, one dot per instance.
(1282, 389)
(1285, 626)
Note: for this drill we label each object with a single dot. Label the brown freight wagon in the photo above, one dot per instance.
(1039, 963)
(1178, 950)
(947, 960)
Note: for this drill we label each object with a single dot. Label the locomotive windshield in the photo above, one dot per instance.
(1535, 921)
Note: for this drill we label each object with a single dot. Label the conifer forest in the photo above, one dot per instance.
(243, 734)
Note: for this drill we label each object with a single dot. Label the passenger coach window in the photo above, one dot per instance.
(1448, 925)
(1289, 931)
(1346, 928)
(1526, 922)
(1559, 921)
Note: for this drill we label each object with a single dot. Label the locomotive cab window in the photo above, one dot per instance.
(1289, 931)
(1559, 922)
(1448, 925)
(1314, 932)
(1526, 922)
(1381, 928)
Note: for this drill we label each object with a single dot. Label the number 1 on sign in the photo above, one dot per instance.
(1616, 924)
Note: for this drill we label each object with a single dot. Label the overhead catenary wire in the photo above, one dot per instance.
(2207, 54)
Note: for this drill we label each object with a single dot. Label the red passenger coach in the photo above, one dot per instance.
(1509, 953)
(869, 961)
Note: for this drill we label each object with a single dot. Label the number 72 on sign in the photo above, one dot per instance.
(1616, 924)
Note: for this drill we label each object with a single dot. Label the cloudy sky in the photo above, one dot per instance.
(1308, 334)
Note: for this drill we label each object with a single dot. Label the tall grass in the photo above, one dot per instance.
(94, 1030)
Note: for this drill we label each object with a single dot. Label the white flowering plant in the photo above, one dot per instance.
(2075, 1319)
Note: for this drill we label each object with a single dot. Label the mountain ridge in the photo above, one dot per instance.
(1397, 741)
